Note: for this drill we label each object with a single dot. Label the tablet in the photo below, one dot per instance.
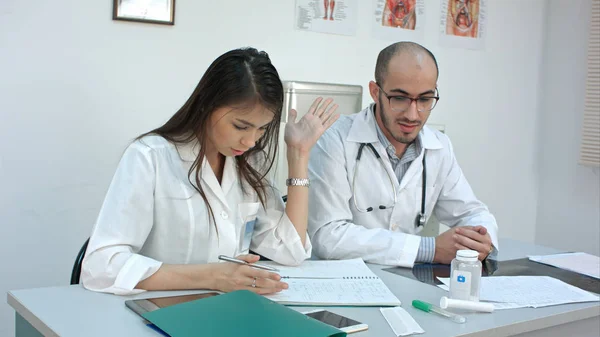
(142, 306)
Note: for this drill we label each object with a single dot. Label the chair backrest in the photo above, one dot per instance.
(76, 272)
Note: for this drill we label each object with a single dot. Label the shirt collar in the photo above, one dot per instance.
(413, 150)
(188, 151)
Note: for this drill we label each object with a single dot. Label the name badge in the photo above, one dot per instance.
(247, 235)
(247, 213)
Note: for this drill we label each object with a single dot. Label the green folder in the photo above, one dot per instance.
(239, 313)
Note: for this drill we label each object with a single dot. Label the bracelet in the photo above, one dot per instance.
(297, 182)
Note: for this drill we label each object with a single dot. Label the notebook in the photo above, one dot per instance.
(332, 283)
(240, 314)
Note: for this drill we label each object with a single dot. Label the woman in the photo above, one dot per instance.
(186, 192)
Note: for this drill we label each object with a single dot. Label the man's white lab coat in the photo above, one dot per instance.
(339, 231)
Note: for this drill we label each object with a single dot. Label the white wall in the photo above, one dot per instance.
(568, 213)
(76, 86)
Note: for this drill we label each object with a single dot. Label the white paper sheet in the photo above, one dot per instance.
(529, 291)
(335, 282)
(325, 269)
(401, 321)
(581, 263)
(325, 16)
(336, 292)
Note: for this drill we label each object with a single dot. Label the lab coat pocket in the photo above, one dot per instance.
(177, 191)
(174, 215)
(247, 213)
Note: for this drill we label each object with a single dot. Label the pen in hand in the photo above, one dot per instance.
(253, 265)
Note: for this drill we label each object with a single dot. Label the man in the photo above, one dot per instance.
(370, 205)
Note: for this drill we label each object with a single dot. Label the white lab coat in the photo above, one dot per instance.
(153, 215)
(339, 231)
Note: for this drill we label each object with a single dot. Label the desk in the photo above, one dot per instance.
(73, 311)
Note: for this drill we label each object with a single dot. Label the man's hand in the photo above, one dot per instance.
(445, 247)
(474, 238)
(466, 237)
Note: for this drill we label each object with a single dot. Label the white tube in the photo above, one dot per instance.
(446, 302)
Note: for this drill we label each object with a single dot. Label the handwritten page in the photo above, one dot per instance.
(325, 269)
(529, 291)
(333, 282)
(581, 263)
(358, 292)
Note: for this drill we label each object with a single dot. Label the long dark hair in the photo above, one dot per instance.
(239, 77)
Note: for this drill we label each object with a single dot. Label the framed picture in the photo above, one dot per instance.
(150, 11)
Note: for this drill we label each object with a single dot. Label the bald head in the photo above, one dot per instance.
(400, 48)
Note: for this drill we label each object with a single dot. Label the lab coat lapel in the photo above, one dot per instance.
(429, 141)
(189, 152)
(388, 164)
(229, 175)
(416, 167)
(210, 179)
(364, 130)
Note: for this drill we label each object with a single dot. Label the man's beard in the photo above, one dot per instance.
(388, 126)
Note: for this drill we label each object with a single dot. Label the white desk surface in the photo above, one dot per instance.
(73, 311)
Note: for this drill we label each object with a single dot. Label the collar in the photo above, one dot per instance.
(412, 151)
(188, 151)
(364, 130)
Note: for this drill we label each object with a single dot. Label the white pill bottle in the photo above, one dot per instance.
(465, 276)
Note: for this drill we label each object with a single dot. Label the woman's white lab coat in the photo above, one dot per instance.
(153, 215)
(339, 231)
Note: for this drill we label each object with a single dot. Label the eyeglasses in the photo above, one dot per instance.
(401, 103)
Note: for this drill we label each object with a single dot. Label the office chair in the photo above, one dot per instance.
(76, 272)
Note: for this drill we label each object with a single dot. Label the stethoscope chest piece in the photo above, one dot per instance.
(420, 220)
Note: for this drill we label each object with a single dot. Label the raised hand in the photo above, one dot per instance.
(303, 135)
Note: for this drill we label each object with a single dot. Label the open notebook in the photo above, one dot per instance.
(332, 283)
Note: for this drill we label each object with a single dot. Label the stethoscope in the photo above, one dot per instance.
(420, 220)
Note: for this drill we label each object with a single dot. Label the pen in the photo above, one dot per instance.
(230, 259)
(427, 307)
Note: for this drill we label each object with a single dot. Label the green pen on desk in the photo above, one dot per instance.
(427, 307)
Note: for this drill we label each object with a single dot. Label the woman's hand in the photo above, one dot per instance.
(303, 135)
(231, 276)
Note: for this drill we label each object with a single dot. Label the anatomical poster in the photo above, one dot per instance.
(398, 19)
(463, 23)
(327, 16)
